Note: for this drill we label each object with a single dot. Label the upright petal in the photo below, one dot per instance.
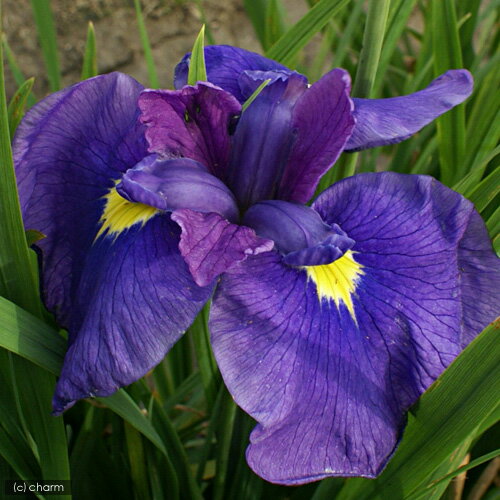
(68, 151)
(387, 121)
(323, 123)
(192, 122)
(211, 245)
(264, 137)
(224, 66)
(135, 298)
(327, 383)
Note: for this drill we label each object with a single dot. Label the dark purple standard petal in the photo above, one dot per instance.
(192, 123)
(68, 150)
(224, 66)
(179, 183)
(298, 232)
(329, 388)
(211, 245)
(264, 137)
(387, 121)
(135, 299)
(322, 122)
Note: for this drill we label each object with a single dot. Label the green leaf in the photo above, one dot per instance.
(451, 125)
(124, 406)
(255, 94)
(137, 461)
(26, 335)
(274, 22)
(285, 49)
(89, 67)
(17, 105)
(197, 69)
(373, 38)
(209, 372)
(42, 12)
(424, 493)
(452, 410)
(146, 47)
(485, 191)
(256, 10)
(398, 20)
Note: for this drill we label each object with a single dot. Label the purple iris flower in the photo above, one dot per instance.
(328, 321)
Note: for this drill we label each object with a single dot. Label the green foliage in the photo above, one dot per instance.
(146, 47)
(89, 67)
(177, 433)
(197, 70)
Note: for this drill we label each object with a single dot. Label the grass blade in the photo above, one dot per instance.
(89, 67)
(298, 35)
(17, 105)
(197, 69)
(451, 125)
(373, 38)
(146, 47)
(44, 21)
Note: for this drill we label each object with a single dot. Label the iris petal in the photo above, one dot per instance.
(264, 137)
(329, 391)
(179, 183)
(387, 121)
(298, 232)
(224, 65)
(323, 122)
(211, 245)
(192, 123)
(68, 151)
(135, 299)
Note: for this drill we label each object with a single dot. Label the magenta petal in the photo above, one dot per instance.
(323, 121)
(211, 245)
(192, 123)
(387, 121)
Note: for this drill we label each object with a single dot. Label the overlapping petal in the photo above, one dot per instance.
(192, 123)
(180, 183)
(323, 123)
(134, 300)
(327, 389)
(387, 121)
(211, 245)
(224, 66)
(68, 151)
(264, 137)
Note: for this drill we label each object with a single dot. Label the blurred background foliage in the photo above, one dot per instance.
(177, 433)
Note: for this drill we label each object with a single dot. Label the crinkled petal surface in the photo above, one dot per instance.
(387, 121)
(329, 390)
(211, 245)
(224, 66)
(192, 122)
(323, 122)
(135, 299)
(68, 151)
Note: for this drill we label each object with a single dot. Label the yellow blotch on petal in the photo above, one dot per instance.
(120, 214)
(337, 281)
